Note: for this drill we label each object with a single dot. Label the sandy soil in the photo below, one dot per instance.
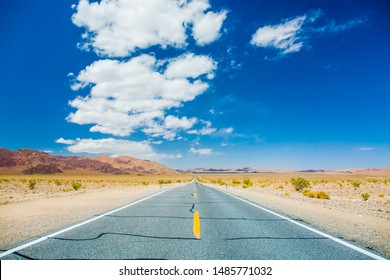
(364, 222)
(31, 216)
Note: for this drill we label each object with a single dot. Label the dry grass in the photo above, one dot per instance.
(24, 187)
(338, 187)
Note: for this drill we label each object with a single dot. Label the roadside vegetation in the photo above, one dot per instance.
(351, 188)
(13, 187)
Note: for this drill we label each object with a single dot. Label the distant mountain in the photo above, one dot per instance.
(370, 171)
(36, 162)
(246, 170)
(239, 170)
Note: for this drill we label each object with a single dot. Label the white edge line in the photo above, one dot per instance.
(335, 239)
(24, 246)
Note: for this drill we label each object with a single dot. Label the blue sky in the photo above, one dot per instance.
(273, 84)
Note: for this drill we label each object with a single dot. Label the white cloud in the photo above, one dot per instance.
(135, 94)
(202, 152)
(118, 27)
(190, 66)
(206, 130)
(207, 27)
(228, 130)
(291, 35)
(184, 123)
(335, 28)
(117, 147)
(48, 151)
(169, 128)
(365, 149)
(283, 36)
(65, 141)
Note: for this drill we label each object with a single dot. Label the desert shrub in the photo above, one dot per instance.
(356, 184)
(76, 185)
(145, 183)
(161, 182)
(365, 196)
(220, 182)
(381, 195)
(58, 182)
(309, 193)
(318, 195)
(286, 193)
(247, 182)
(31, 184)
(235, 182)
(280, 187)
(323, 195)
(300, 183)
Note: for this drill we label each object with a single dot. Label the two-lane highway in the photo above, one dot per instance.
(189, 222)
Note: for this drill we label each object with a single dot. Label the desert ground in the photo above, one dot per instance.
(352, 207)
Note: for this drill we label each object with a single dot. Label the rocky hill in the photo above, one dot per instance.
(36, 162)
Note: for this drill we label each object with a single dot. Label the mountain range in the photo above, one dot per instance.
(29, 161)
(246, 170)
(37, 162)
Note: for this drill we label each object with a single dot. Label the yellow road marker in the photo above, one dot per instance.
(194, 195)
(197, 225)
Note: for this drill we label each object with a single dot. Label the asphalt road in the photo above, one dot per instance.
(189, 222)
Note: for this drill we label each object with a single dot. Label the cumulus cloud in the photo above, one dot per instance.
(65, 141)
(116, 147)
(136, 94)
(207, 27)
(202, 152)
(292, 34)
(119, 27)
(190, 66)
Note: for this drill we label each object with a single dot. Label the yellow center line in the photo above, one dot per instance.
(196, 225)
(194, 195)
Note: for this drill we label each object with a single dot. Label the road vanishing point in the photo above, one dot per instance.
(192, 222)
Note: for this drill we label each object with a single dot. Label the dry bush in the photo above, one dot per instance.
(318, 195)
(365, 196)
(300, 183)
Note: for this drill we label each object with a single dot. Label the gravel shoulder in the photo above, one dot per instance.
(357, 222)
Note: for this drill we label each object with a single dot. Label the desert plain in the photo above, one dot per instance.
(356, 207)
